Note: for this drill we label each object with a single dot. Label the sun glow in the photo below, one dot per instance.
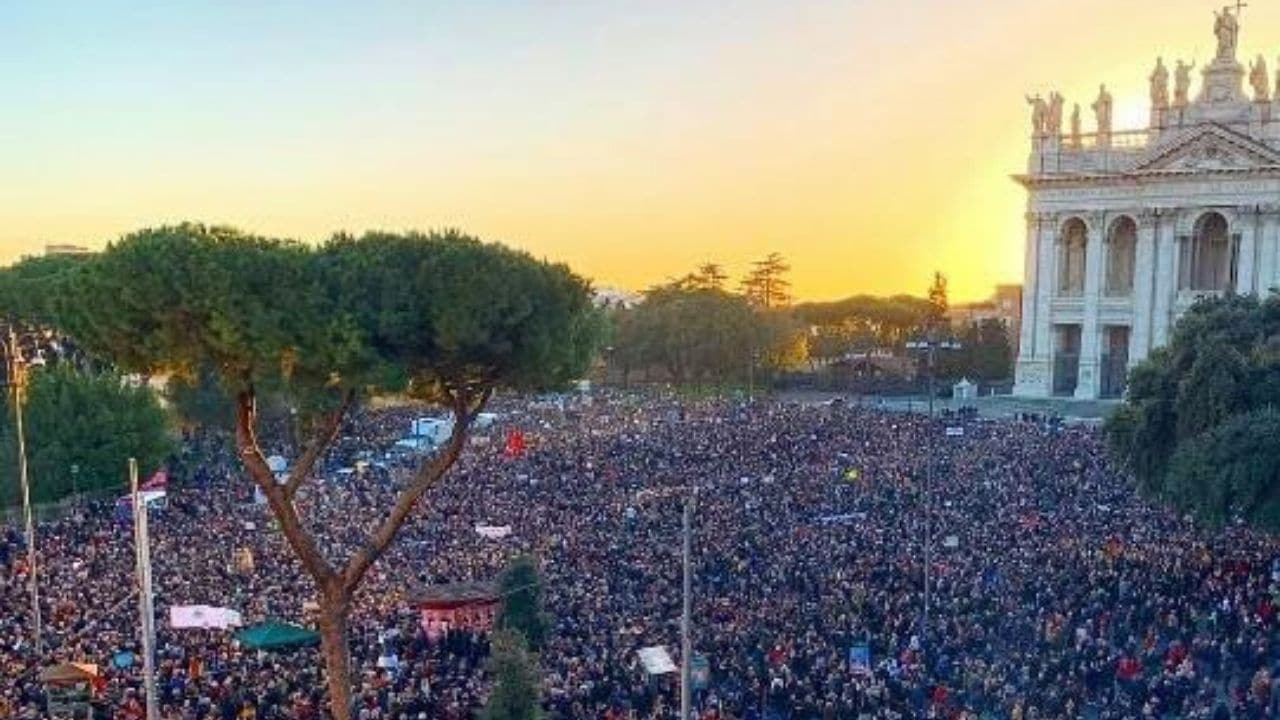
(869, 142)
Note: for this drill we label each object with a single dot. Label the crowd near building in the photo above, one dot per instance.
(1127, 228)
(1056, 593)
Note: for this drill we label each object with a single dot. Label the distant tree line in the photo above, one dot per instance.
(693, 330)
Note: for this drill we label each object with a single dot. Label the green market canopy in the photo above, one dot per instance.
(276, 635)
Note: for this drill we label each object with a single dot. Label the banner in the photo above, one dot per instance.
(699, 672)
(860, 659)
(493, 532)
(656, 661)
(203, 616)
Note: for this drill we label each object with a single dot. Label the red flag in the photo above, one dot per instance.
(158, 481)
(515, 443)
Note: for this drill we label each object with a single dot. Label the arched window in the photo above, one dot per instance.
(1071, 258)
(1122, 242)
(1208, 257)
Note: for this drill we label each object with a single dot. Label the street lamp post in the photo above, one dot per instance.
(930, 345)
(686, 643)
(686, 602)
(17, 381)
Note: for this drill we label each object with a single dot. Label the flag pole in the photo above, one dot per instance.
(17, 384)
(142, 549)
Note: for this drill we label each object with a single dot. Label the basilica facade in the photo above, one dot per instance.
(1127, 229)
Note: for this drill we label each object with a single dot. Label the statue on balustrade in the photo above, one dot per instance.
(1182, 83)
(1053, 122)
(1226, 27)
(1160, 86)
(1102, 110)
(1260, 79)
(1075, 126)
(1039, 114)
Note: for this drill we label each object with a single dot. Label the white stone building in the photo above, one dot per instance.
(1126, 229)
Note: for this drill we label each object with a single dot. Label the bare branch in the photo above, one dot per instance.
(465, 410)
(319, 444)
(286, 514)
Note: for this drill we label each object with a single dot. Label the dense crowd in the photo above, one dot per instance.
(1055, 591)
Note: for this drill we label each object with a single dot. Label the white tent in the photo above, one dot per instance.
(965, 390)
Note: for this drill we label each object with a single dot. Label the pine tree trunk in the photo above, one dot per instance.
(335, 646)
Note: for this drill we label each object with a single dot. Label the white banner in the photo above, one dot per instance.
(203, 616)
(494, 532)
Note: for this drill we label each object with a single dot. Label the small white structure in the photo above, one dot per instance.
(964, 390)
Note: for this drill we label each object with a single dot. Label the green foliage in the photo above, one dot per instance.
(24, 286)
(516, 686)
(1191, 428)
(91, 423)
(766, 287)
(201, 400)
(938, 297)
(438, 313)
(521, 590)
(1231, 471)
(694, 335)
(862, 323)
(985, 353)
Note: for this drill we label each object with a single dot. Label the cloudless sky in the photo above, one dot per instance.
(868, 141)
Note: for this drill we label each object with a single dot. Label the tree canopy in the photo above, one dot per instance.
(521, 590)
(516, 687)
(1194, 428)
(80, 430)
(440, 315)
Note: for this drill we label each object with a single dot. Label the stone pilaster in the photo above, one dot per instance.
(1166, 278)
(1087, 384)
(1268, 275)
(1032, 371)
(1247, 218)
(1046, 287)
(1144, 278)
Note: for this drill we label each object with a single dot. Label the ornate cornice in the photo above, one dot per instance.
(1133, 178)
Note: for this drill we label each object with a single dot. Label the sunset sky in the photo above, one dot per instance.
(868, 141)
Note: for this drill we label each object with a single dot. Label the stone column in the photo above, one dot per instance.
(1045, 288)
(1144, 283)
(1088, 382)
(1166, 278)
(1031, 371)
(1247, 217)
(1030, 283)
(1268, 274)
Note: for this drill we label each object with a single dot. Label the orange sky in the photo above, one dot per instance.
(868, 142)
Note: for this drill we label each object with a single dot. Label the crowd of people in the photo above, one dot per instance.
(1054, 591)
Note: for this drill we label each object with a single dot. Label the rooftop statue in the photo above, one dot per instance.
(1260, 79)
(1160, 86)
(1182, 83)
(1226, 27)
(1102, 110)
(1039, 114)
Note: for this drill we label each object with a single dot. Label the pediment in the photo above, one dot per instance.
(1208, 148)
